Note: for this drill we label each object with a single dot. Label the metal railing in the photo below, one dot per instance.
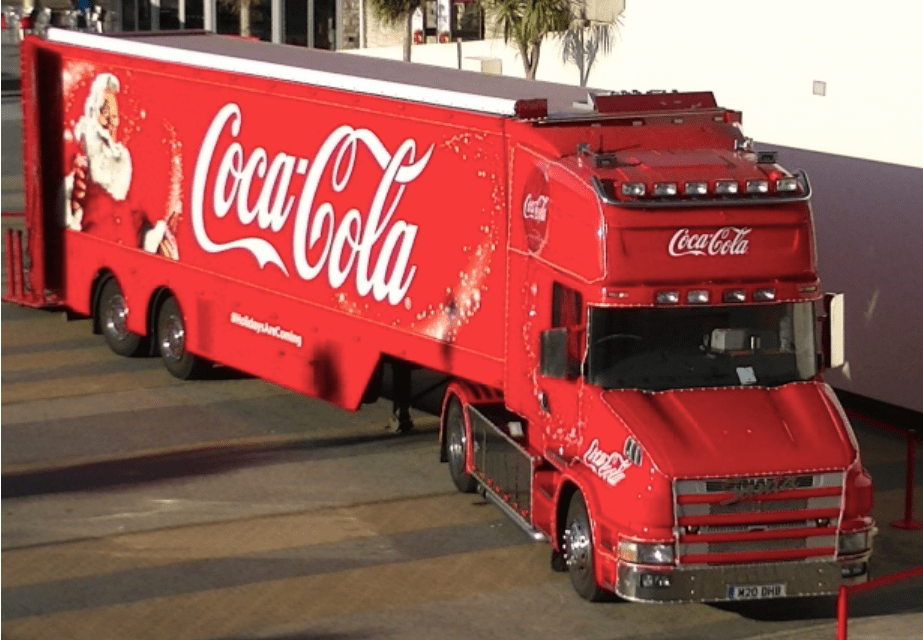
(842, 601)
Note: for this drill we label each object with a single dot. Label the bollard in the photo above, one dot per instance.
(842, 613)
(908, 522)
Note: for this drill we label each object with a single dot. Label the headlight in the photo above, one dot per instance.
(853, 543)
(645, 553)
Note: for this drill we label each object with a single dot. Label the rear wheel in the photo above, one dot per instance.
(578, 551)
(112, 314)
(171, 343)
(457, 447)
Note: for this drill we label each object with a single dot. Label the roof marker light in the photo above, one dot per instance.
(698, 296)
(633, 189)
(764, 295)
(735, 295)
(668, 297)
(695, 188)
(725, 187)
(757, 186)
(665, 189)
(787, 185)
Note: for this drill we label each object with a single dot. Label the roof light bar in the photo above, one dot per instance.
(699, 193)
(764, 295)
(668, 297)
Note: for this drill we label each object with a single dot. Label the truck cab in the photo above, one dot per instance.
(681, 442)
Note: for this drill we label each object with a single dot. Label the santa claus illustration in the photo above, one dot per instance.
(98, 191)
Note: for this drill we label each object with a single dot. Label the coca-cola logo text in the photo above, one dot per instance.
(609, 466)
(727, 241)
(340, 247)
(535, 208)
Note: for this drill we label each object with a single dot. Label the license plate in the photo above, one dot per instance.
(756, 591)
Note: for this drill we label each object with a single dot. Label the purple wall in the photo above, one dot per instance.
(869, 223)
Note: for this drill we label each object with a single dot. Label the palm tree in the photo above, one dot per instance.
(527, 22)
(393, 12)
(584, 40)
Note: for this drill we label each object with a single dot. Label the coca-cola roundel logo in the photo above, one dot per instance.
(536, 205)
(726, 241)
(367, 243)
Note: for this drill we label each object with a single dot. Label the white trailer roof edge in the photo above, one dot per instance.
(312, 77)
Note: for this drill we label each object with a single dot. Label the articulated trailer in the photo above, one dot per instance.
(623, 295)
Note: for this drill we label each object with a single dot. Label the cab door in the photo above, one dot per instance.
(560, 382)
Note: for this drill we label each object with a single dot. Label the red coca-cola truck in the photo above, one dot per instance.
(623, 294)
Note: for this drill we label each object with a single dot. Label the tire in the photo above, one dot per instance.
(456, 443)
(112, 315)
(578, 551)
(171, 343)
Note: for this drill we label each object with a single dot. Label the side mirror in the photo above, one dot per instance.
(554, 353)
(833, 346)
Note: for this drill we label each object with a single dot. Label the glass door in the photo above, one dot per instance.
(296, 22)
(325, 24)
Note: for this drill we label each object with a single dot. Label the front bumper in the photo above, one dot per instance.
(712, 583)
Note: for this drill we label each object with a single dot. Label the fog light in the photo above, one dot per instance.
(853, 570)
(658, 580)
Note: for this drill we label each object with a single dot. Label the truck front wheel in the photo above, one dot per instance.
(578, 550)
(457, 447)
(112, 315)
(171, 343)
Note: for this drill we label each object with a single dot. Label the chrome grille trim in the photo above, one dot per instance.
(754, 497)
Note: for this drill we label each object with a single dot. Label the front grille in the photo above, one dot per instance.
(715, 486)
(757, 519)
(759, 507)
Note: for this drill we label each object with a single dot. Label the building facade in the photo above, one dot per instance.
(321, 24)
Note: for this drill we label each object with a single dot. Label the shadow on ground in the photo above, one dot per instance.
(206, 460)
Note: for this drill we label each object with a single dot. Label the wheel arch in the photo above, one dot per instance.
(469, 394)
(570, 486)
(97, 285)
(566, 492)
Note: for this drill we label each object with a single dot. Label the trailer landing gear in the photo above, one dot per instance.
(400, 419)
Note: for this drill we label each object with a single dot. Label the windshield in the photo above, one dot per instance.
(658, 349)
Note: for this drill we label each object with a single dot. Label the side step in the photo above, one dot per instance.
(503, 467)
(534, 534)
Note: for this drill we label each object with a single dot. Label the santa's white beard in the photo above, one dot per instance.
(110, 161)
